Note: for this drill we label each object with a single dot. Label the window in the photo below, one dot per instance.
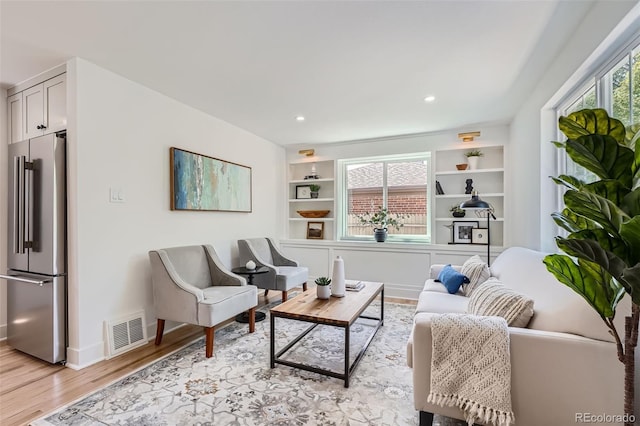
(616, 89)
(398, 183)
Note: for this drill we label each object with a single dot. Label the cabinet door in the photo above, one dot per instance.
(15, 123)
(55, 102)
(33, 111)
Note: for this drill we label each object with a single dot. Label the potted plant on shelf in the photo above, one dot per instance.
(602, 220)
(323, 289)
(472, 158)
(456, 211)
(314, 188)
(381, 220)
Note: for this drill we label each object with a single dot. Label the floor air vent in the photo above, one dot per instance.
(126, 333)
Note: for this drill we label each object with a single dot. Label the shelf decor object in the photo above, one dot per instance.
(337, 277)
(313, 214)
(200, 182)
(476, 203)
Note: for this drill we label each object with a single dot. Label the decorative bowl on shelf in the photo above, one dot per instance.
(313, 214)
(462, 166)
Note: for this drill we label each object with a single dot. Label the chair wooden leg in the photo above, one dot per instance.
(208, 331)
(159, 331)
(284, 296)
(266, 292)
(304, 286)
(252, 320)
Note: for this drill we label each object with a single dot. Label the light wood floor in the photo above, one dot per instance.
(31, 388)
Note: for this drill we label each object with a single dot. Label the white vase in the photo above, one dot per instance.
(473, 162)
(323, 291)
(337, 279)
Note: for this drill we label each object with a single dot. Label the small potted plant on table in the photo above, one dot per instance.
(323, 289)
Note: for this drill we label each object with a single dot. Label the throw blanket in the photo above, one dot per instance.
(471, 368)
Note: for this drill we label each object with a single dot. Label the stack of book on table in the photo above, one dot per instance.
(353, 285)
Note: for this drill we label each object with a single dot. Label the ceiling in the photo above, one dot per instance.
(354, 69)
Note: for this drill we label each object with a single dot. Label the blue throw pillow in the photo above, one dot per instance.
(452, 279)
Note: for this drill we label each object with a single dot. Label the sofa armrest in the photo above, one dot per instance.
(554, 376)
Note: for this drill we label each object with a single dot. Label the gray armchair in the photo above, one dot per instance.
(191, 285)
(284, 274)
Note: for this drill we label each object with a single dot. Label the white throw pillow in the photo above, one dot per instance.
(495, 299)
(477, 271)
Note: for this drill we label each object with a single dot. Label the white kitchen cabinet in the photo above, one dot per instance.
(15, 123)
(39, 109)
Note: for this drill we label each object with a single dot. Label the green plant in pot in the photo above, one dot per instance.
(381, 220)
(602, 219)
(323, 289)
(473, 157)
(456, 211)
(314, 188)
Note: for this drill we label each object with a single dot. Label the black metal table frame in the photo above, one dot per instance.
(348, 369)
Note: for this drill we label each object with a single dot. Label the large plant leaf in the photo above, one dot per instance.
(631, 276)
(582, 281)
(631, 203)
(594, 207)
(635, 167)
(568, 181)
(592, 122)
(592, 252)
(612, 190)
(632, 135)
(602, 155)
(630, 233)
(608, 243)
(571, 222)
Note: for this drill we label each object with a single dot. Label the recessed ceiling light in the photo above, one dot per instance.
(430, 98)
(299, 118)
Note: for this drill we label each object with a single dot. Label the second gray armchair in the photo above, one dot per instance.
(284, 273)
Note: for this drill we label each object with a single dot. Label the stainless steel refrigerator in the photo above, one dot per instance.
(37, 248)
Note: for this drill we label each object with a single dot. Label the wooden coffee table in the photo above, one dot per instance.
(336, 311)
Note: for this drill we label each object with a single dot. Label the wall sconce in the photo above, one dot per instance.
(307, 152)
(468, 137)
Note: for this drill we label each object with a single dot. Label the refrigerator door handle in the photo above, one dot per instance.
(18, 204)
(26, 280)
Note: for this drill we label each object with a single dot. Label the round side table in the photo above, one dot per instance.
(241, 270)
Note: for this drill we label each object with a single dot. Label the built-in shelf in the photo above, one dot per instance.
(297, 225)
(487, 179)
(312, 219)
(492, 194)
(469, 172)
(469, 219)
(309, 200)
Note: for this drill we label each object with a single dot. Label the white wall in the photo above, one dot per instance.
(531, 187)
(121, 138)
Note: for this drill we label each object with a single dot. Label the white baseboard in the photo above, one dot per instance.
(3, 332)
(78, 359)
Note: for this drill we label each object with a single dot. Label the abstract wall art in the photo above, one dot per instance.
(200, 182)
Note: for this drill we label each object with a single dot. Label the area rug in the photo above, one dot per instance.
(237, 387)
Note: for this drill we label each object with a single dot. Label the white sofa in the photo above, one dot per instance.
(564, 363)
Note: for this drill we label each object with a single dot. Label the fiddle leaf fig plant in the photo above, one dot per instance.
(602, 220)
